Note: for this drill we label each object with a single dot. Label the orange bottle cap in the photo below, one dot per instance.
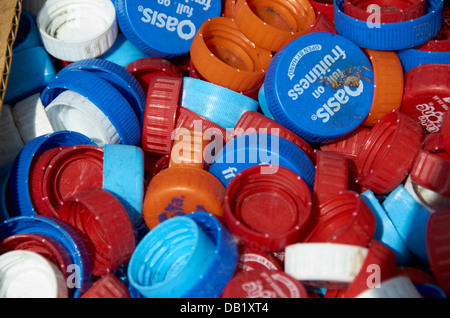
(271, 24)
(187, 148)
(181, 190)
(222, 55)
(388, 89)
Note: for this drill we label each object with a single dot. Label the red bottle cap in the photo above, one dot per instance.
(434, 143)
(72, 170)
(254, 259)
(267, 211)
(43, 245)
(438, 244)
(160, 113)
(332, 173)
(252, 121)
(344, 218)
(324, 17)
(109, 286)
(432, 172)
(379, 265)
(146, 68)
(426, 95)
(264, 284)
(445, 130)
(35, 180)
(103, 223)
(389, 152)
(350, 145)
(417, 276)
(441, 41)
(390, 11)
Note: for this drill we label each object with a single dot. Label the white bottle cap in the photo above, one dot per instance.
(74, 30)
(26, 274)
(396, 287)
(31, 118)
(10, 141)
(72, 111)
(322, 263)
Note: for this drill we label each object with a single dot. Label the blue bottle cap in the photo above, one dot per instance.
(27, 33)
(410, 219)
(430, 291)
(123, 176)
(18, 181)
(118, 77)
(200, 257)
(261, 148)
(410, 58)
(320, 86)
(164, 28)
(103, 95)
(31, 70)
(385, 231)
(263, 103)
(123, 52)
(80, 271)
(221, 105)
(389, 36)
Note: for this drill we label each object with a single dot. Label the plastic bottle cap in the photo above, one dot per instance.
(160, 113)
(395, 287)
(103, 95)
(410, 219)
(329, 265)
(71, 171)
(73, 31)
(109, 286)
(273, 24)
(118, 77)
(27, 33)
(20, 170)
(220, 105)
(374, 34)
(201, 257)
(224, 56)
(332, 174)
(445, 130)
(180, 190)
(263, 103)
(430, 291)
(36, 174)
(72, 111)
(426, 95)
(437, 242)
(252, 121)
(123, 176)
(43, 245)
(252, 196)
(389, 152)
(344, 218)
(61, 232)
(11, 142)
(164, 29)
(320, 69)
(388, 84)
(105, 226)
(263, 283)
(385, 231)
(350, 145)
(418, 276)
(390, 11)
(31, 119)
(188, 148)
(27, 274)
(144, 69)
(255, 259)
(379, 258)
(259, 148)
(441, 41)
(324, 17)
(31, 70)
(431, 200)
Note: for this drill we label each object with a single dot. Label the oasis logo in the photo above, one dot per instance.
(334, 103)
(185, 28)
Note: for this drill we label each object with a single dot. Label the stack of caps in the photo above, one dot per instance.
(286, 149)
